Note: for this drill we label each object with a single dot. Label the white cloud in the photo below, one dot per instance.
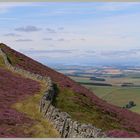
(93, 34)
(23, 40)
(12, 35)
(29, 28)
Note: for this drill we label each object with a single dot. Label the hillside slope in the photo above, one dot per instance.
(15, 88)
(78, 101)
(12, 123)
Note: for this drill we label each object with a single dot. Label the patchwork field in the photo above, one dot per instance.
(117, 86)
(114, 94)
(113, 81)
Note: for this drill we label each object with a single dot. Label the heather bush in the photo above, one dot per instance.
(123, 134)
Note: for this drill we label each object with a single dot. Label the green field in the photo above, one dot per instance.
(80, 79)
(119, 96)
(124, 83)
(109, 80)
(116, 94)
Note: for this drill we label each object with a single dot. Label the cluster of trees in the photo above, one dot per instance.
(95, 84)
(97, 79)
(127, 85)
(130, 105)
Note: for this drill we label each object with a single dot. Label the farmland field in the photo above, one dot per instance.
(125, 84)
(119, 96)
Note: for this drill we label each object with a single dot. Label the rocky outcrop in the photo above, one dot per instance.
(62, 121)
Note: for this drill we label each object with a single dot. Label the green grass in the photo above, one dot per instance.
(119, 96)
(119, 81)
(109, 80)
(80, 79)
(12, 59)
(116, 94)
(101, 91)
(1, 62)
(81, 109)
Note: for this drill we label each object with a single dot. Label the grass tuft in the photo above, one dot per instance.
(2, 64)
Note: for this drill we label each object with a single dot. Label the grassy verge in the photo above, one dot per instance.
(42, 128)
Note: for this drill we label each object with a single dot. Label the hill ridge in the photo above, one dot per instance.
(125, 117)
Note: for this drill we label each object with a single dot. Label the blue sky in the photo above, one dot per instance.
(73, 33)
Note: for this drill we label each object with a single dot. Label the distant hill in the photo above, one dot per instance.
(79, 102)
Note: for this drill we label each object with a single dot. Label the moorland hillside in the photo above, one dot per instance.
(83, 105)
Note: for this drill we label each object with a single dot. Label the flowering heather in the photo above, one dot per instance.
(14, 88)
(120, 133)
(129, 120)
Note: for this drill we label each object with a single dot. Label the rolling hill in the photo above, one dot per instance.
(18, 94)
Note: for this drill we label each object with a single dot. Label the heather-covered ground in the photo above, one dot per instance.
(13, 123)
(122, 118)
(14, 88)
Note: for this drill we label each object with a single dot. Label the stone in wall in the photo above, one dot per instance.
(68, 128)
(49, 112)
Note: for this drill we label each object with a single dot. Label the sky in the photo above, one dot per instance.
(92, 33)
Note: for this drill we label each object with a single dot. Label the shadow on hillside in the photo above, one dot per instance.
(56, 89)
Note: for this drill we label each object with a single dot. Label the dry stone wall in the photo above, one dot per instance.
(62, 121)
